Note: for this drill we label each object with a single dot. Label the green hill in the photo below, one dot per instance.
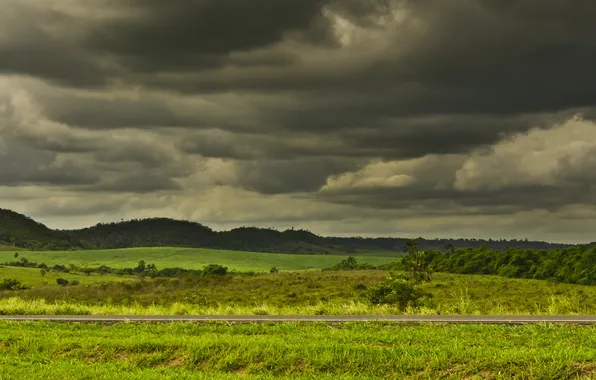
(21, 231)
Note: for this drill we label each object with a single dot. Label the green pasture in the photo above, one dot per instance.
(31, 277)
(192, 258)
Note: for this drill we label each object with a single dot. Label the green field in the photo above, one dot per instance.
(291, 350)
(308, 293)
(192, 258)
(32, 277)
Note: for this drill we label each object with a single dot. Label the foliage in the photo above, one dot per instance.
(575, 265)
(416, 264)
(396, 290)
(11, 284)
(62, 282)
(215, 270)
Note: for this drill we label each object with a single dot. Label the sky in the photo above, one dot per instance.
(433, 118)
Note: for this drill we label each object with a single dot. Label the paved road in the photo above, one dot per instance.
(452, 319)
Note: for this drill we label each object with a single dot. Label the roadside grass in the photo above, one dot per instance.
(305, 293)
(194, 258)
(31, 277)
(41, 350)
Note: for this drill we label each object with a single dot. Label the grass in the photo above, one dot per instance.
(10, 248)
(294, 350)
(31, 277)
(193, 258)
(308, 293)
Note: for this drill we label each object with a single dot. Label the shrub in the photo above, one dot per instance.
(61, 281)
(214, 269)
(273, 270)
(74, 282)
(11, 284)
(396, 290)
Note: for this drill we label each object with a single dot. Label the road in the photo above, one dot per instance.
(450, 319)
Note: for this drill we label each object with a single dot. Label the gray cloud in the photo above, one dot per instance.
(379, 110)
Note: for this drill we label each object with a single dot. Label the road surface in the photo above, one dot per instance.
(451, 319)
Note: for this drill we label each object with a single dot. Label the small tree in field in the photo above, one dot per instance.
(402, 290)
(415, 264)
(43, 272)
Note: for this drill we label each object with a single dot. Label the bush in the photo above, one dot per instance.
(11, 284)
(214, 269)
(396, 290)
(61, 281)
(274, 270)
(74, 282)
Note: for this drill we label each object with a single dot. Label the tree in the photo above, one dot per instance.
(274, 270)
(141, 267)
(43, 272)
(61, 281)
(415, 264)
(449, 248)
(16, 254)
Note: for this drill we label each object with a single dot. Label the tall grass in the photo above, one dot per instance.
(19, 306)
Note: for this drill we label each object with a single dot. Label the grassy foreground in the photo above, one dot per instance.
(291, 350)
(193, 258)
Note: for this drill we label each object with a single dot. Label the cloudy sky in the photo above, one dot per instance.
(435, 118)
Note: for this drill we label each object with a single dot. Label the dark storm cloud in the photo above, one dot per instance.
(22, 165)
(140, 183)
(452, 56)
(428, 201)
(275, 90)
(186, 35)
(31, 46)
(281, 176)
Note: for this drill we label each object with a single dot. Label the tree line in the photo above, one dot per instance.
(21, 231)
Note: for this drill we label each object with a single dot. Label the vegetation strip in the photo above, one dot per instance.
(446, 319)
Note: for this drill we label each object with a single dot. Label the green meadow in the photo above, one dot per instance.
(32, 277)
(307, 293)
(295, 351)
(194, 258)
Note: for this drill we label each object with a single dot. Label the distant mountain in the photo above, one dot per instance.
(21, 231)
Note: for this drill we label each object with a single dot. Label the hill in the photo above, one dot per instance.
(21, 231)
